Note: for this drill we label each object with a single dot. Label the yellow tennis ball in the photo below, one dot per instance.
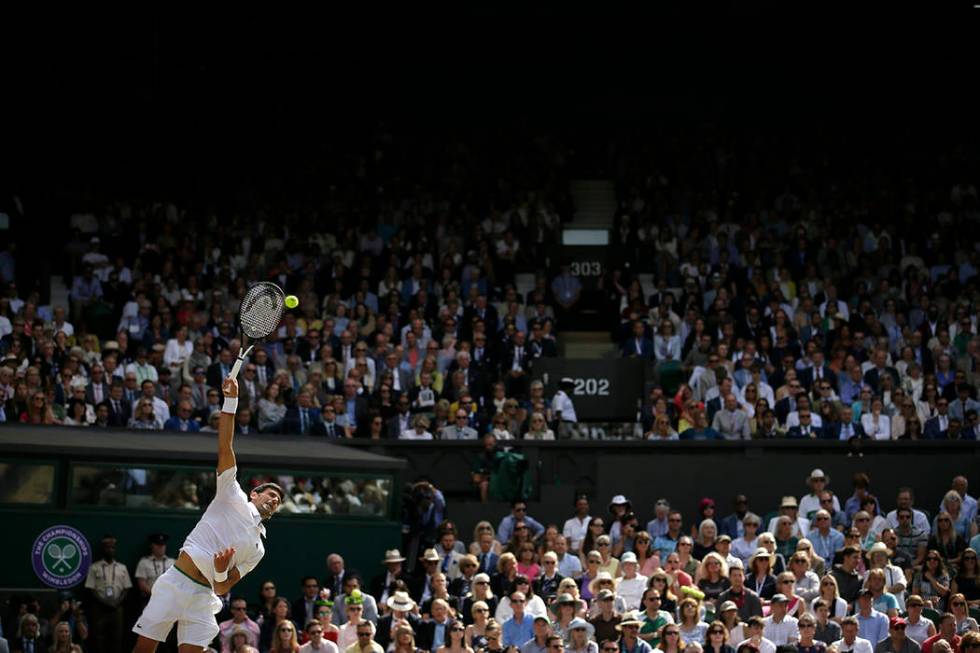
(292, 301)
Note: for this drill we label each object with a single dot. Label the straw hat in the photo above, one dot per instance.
(392, 555)
(631, 618)
(759, 553)
(879, 547)
(602, 576)
(401, 602)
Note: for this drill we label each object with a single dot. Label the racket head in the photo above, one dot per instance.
(261, 310)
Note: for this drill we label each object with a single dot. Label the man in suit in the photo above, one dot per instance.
(485, 557)
(449, 557)
(459, 429)
(964, 402)
(219, 370)
(308, 349)
(638, 345)
(483, 310)
(717, 403)
(402, 380)
(97, 390)
(787, 404)
(265, 371)
(818, 371)
(249, 389)
(421, 584)
(542, 347)
(304, 607)
(402, 419)
(805, 430)
(846, 428)
(356, 406)
(434, 632)
(484, 356)
(345, 350)
(937, 427)
(382, 583)
(515, 366)
(873, 376)
(199, 389)
(120, 410)
(303, 418)
(472, 377)
(732, 422)
(336, 571)
(401, 606)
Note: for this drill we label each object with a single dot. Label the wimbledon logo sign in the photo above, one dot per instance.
(61, 557)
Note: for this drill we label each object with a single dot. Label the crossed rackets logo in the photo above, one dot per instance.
(61, 556)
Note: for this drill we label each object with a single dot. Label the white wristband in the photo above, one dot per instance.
(231, 405)
(221, 576)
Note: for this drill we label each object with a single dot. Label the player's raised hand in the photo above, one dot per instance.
(223, 558)
(230, 387)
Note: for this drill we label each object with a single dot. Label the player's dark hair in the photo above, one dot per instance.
(275, 486)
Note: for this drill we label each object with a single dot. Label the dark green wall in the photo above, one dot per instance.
(295, 546)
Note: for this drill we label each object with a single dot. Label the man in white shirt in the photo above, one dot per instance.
(314, 630)
(905, 499)
(754, 627)
(780, 628)
(789, 508)
(850, 641)
(632, 585)
(810, 504)
(569, 565)
(577, 527)
(225, 545)
(563, 407)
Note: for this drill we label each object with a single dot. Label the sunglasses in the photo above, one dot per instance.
(716, 632)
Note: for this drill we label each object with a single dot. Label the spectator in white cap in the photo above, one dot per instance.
(810, 504)
(631, 585)
(618, 507)
(788, 507)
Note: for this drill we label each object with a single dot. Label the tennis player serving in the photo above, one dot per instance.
(225, 545)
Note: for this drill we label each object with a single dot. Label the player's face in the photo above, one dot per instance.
(266, 502)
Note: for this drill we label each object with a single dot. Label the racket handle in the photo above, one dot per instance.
(238, 364)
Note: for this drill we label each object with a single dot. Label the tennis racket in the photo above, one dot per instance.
(259, 316)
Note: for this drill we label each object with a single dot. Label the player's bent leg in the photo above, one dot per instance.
(145, 645)
(191, 648)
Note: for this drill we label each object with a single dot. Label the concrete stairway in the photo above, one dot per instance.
(595, 203)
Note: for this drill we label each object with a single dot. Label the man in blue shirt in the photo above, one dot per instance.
(519, 628)
(872, 625)
(667, 543)
(825, 539)
(518, 512)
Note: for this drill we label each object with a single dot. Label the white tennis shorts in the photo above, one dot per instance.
(176, 598)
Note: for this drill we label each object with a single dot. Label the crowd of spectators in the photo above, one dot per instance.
(826, 572)
(802, 308)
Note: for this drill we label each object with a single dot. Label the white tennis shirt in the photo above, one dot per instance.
(230, 521)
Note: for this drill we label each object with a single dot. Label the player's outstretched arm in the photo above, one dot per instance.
(226, 428)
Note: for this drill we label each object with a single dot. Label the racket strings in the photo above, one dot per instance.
(261, 310)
